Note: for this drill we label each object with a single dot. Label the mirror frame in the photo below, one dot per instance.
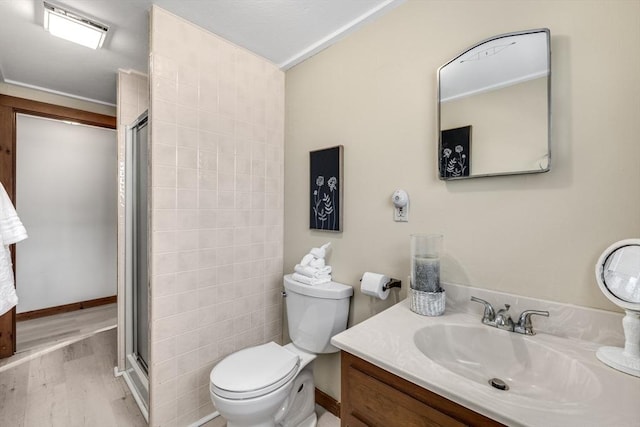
(549, 116)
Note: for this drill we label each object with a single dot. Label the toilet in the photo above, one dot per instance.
(272, 385)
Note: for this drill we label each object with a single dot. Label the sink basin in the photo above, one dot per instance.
(529, 369)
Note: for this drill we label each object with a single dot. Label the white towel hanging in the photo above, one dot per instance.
(11, 231)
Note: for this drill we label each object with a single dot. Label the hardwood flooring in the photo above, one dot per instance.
(63, 376)
(47, 330)
(38, 336)
(68, 387)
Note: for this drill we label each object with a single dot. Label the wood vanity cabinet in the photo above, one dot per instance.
(373, 397)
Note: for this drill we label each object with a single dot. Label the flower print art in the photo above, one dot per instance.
(325, 210)
(455, 146)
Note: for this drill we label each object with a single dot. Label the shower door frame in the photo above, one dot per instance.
(135, 373)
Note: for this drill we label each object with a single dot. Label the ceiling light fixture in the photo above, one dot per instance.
(70, 26)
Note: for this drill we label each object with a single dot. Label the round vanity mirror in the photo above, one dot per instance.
(618, 276)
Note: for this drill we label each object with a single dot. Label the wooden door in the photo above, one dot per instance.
(7, 168)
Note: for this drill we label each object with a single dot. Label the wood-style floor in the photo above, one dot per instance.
(63, 376)
(68, 387)
(37, 336)
(45, 330)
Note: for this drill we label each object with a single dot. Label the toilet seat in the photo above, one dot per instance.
(254, 371)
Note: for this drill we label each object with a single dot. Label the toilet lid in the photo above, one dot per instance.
(254, 371)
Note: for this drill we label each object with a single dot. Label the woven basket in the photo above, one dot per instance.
(427, 303)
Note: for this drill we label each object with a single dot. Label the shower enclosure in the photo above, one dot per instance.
(136, 265)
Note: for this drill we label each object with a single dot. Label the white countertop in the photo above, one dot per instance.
(387, 341)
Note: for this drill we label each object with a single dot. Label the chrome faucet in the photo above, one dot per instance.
(524, 325)
(502, 319)
(489, 316)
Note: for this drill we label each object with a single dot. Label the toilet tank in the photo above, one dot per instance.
(316, 313)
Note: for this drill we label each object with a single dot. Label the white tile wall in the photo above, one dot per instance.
(217, 134)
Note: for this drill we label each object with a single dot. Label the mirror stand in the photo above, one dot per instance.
(625, 359)
(618, 276)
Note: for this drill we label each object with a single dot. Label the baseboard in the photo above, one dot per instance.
(49, 311)
(328, 402)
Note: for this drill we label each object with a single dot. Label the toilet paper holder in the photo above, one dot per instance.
(392, 283)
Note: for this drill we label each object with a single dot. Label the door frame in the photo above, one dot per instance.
(10, 106)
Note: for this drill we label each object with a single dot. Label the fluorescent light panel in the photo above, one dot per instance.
(69, 26)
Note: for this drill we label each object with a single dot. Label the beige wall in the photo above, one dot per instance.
(52, 98)
(133, 100)
(535, 235)
(217, 134)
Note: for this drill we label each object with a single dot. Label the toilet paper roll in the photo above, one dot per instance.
(372, 284)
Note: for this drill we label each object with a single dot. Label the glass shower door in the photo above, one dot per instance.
(140, 234)
(137, 361)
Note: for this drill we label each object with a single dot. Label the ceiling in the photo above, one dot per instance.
(285, 32)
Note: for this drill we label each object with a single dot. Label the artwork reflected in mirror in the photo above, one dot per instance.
(455, 152)
(498, 92)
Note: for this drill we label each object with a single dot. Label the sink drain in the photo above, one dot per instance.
(498, 383)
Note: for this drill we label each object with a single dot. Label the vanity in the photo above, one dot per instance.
(373, 396)
(400, 368)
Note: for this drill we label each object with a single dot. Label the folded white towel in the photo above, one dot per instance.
(306, 259)
(317, 263)
(311, 280)
(11, 231)
(312, 272)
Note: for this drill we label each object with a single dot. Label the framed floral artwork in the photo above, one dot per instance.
(325, 189)
(455, 157)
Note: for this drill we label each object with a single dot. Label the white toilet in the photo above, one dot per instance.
(271, 385)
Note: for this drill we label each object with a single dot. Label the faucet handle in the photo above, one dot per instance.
(489, 313)
(524, 325)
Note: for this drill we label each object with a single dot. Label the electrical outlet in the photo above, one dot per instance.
(401, 214)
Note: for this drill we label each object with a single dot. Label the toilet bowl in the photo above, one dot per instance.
(272, 385)
(256, 387)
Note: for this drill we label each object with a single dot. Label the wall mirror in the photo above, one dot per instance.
(618, 276)
(494, 108)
